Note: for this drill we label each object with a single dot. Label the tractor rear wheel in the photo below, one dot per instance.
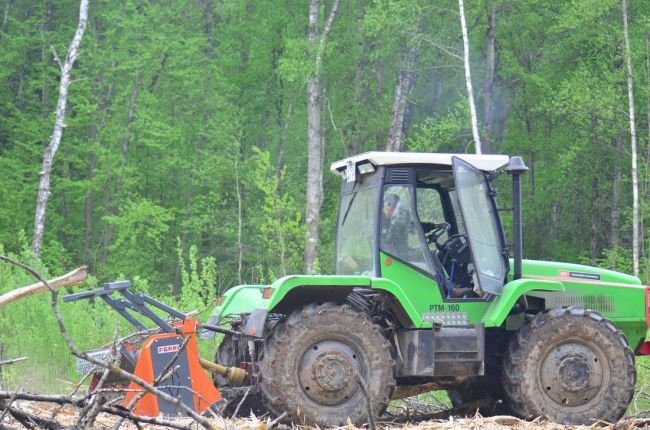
(314, 361)
(571, 365)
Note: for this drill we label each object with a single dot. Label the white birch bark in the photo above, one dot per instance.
(76, 277)
(314, 193)
(635, 176)
(55, 140)
(468, 79)
(5, 16)
(490, 59)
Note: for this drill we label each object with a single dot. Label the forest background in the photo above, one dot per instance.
(183, 164)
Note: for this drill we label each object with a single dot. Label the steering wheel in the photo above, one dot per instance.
(457, 248)
(438, 230)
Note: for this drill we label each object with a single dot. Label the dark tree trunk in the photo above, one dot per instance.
(314, 193)
(615, 211)
(283, 140)
(593, 212)
(406, 78)
(88, 205)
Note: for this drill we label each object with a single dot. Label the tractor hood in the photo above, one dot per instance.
(574, 273)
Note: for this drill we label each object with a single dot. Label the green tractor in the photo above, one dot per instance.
(426, 297)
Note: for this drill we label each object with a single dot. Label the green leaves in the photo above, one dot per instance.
(280, 223)
(171, 98)
(140, 237)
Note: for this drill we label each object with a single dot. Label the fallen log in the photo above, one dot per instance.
(75, 277)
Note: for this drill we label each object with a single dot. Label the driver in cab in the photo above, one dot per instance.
(394, 225)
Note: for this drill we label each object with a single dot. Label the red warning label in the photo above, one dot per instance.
(579, 275)
(168, 348)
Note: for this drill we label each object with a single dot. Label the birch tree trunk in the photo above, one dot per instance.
(53, 146)
(314, 193)
(406, 78)
(5, 17)
(635, 178)
(488, 108)
(468, 79)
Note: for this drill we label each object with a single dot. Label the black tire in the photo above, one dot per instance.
(571, 365)
(310, 361)
(229, 354)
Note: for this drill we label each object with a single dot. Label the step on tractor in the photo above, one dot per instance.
(426, 297)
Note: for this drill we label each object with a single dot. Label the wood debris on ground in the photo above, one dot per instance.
(67, 416)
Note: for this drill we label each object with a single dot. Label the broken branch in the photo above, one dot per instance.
(75, 277)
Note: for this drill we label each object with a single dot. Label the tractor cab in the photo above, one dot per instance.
(434, 213)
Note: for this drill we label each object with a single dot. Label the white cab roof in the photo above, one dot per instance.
(486, 162)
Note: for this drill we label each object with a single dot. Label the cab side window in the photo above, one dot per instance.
(431, 214)
(401, 234)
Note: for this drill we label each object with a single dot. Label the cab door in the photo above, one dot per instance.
(483, 226)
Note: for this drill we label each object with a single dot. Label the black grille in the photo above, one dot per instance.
(398, 176)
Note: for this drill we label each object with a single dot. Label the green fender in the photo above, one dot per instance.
(247, 298)
(282, 286)
(501, 306)
(241, 299)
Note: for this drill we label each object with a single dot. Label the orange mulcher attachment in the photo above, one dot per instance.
(161, 354)
(168, 359)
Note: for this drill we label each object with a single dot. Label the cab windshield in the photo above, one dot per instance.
(355, 242)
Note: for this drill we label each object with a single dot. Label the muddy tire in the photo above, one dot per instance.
(310, 362)
(571, 365)
(229, 354)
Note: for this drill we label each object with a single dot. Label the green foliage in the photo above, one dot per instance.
(296, 65)
(139, 238)
(441, 133)
(280, 225)
(197, 280)
(28, 329)
(617, 258)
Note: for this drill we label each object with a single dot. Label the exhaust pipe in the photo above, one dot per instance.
(516, 168)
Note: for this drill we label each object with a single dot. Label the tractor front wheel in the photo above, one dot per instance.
(314, 362)
(571, 365)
